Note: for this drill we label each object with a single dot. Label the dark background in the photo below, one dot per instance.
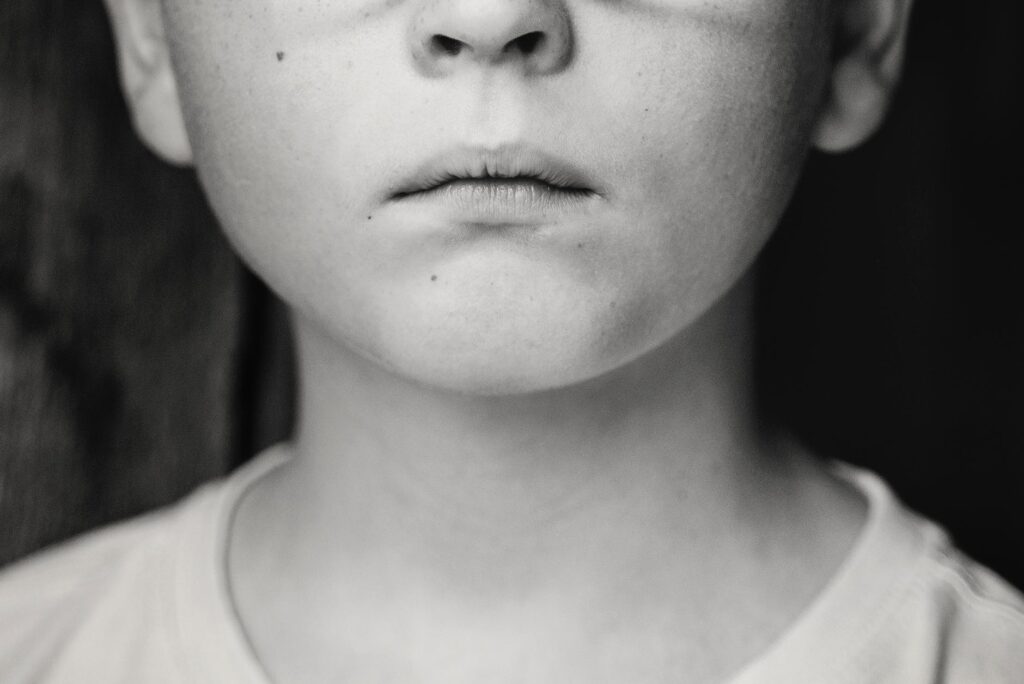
(138, 358)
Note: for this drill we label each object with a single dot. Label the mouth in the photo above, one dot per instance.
(505, 184)
(496, 184)
(501, 165)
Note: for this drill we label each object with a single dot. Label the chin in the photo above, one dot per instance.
(498, 375)
(505, 354)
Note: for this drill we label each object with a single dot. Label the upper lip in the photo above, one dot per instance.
(512, 161)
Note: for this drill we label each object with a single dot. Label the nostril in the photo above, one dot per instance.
(445, 45)
(527, 43)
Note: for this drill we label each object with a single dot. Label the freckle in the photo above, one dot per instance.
(369, 218)
(433, 277)
(579, 245)
(280, 56)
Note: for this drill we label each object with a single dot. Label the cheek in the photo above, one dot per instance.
(284, 125)
(709, 124)
(711, 115)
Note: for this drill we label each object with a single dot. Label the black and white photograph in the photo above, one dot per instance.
(511, 342)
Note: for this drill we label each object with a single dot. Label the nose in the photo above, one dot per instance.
(533, 35)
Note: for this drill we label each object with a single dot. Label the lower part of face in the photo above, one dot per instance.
(691, 118)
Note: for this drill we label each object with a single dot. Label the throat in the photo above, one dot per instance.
(649, 584)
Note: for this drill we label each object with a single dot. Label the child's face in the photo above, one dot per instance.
(690, 118)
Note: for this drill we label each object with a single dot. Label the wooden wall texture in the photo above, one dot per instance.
(121, 308)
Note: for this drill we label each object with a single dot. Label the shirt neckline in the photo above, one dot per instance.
(877, 571)
(208, 626)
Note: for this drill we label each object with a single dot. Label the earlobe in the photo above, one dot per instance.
(866, 70)
(147, 78)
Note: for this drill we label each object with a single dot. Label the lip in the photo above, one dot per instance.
(505, 184)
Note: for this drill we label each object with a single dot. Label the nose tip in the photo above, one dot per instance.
(447, 35)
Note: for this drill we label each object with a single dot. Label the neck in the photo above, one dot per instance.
(642, 507)
(471, 489)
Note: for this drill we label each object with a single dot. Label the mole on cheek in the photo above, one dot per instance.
(280, 56)
(433, 277)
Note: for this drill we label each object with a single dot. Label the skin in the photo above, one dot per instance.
(523, 455)
(692, 116)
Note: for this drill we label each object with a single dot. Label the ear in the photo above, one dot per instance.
(148, 79)
(870, 39)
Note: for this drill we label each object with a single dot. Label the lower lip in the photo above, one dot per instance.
(519, 201)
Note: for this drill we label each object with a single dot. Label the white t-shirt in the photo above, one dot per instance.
(147, 601)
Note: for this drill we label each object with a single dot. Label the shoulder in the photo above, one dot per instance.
(974, 618)
(144, 600)
(908, 606)
(73, 612)
(948, 618)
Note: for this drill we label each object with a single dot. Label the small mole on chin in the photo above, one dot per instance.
(280, 56)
